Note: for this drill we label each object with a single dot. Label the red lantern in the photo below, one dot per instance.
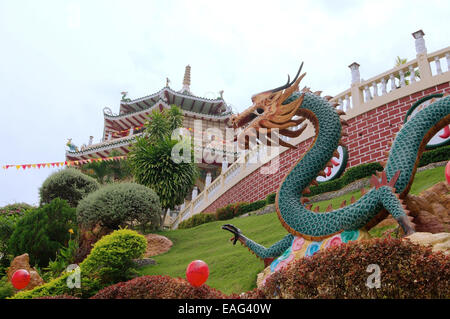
(197, 273)
(447, 172)
(20, 279)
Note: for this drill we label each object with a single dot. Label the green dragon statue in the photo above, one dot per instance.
(286, 107)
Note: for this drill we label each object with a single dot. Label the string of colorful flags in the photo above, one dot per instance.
(65, 163)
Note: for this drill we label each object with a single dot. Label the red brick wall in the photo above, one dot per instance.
(367, 141)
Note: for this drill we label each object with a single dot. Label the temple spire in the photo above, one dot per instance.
(187, 79)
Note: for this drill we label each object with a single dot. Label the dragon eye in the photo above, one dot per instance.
(260, 111)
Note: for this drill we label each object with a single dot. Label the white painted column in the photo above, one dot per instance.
(109, 136)
(402, 78)
(194, 192)
(224, 165)
(392, 78)
(420, 42)
(208, 179)
(383, 86)
(421, 53)
(131, 131)
(447, 56)
(438, 65)
(357, 95)
(375, 89)
(412, 74)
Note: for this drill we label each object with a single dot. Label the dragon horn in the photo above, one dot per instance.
(288, 84)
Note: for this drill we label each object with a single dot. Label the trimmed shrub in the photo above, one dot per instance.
(158, 287)
(246, 208)
(407, 271)
(436, 155)
(109, 262)
(120, 204)
(270, 199)
(43, 231)
(196, 220)
(230, 211)
(69, 184)
(351, 175)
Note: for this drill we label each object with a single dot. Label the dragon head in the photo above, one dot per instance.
(269, 118)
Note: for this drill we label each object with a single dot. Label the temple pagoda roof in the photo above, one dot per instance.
(185, 99)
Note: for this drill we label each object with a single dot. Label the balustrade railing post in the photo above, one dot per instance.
(447, 56)
(357, 96)
(438, 65)
(412, 74)
(421, 54)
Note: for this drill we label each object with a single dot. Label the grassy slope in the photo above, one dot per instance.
(233, 268)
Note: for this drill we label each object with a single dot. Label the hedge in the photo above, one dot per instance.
(407, 270)
(196, 220)
(158, 287)
(436, 155)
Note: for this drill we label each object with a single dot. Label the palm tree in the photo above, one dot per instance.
(151, 160)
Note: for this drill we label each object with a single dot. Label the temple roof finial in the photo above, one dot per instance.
(187, 79)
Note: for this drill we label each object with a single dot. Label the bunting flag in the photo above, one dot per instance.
(66, 163)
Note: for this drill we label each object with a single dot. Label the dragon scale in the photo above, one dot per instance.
(386, 195)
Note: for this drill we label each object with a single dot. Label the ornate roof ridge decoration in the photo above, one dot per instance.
(107, 113)
(104, 145)
(116, 142)
(180, 94)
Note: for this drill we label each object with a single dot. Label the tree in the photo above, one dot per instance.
(151, 160)
(108, 171)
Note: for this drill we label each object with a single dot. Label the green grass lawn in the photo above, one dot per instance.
(234, 268)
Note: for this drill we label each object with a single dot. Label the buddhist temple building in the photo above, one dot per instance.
(120, 130)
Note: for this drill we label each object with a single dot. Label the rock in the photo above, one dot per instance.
(431, 209)
(87, 239)
(157, 244)
(23, 262)
(438, 242)
(144, 262)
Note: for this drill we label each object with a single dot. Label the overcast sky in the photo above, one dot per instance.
(62, 62)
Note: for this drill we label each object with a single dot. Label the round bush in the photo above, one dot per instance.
(120, 204)
(407, 270)
(41, 232)
(69, 184)
(158, 287)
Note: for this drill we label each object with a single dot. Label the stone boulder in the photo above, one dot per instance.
(23, 262)
(157, 244)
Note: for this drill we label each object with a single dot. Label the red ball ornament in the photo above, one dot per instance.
(20, 279)
(447, 172)
(197, 273)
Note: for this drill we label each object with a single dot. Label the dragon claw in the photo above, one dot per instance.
(235, 231)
